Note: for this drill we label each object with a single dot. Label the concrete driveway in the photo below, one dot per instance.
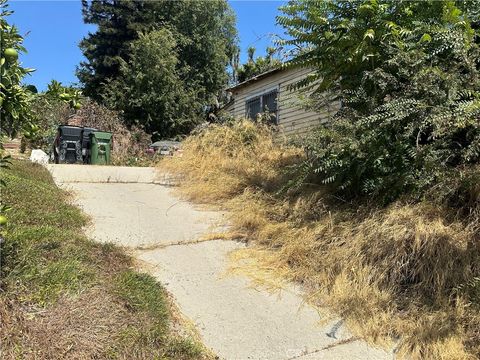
(135, 207)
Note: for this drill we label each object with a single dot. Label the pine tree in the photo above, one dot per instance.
(119, 23)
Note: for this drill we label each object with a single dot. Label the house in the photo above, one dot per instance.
(269, 92)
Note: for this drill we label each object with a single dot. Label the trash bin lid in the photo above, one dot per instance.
(86, 133)
(87, 130)
(102, 135)
(70, 130)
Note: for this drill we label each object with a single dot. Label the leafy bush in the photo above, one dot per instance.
(49, 112)
(408, 78)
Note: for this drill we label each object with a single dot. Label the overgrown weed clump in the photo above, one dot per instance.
(407, 271)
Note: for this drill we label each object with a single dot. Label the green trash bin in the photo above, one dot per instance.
(100, 147)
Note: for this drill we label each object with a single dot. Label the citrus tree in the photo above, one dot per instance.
(67, 94)
(15, 98)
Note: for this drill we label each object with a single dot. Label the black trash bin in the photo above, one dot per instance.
(68, 145)
(86, 144)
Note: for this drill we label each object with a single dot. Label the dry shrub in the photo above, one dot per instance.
(129, 144)
(227, 159)
(403, 272)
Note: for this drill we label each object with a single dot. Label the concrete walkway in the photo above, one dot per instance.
(130, 207)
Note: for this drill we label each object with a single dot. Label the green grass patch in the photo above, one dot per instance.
(139, 341)
(90, 300)
(45, 253)
(142, 293)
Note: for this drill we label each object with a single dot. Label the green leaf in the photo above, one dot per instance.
(369, 34)
(425, 38)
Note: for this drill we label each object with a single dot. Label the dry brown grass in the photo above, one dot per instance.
(224, 161)
(93, 325)
(400, 272)
(76, 328)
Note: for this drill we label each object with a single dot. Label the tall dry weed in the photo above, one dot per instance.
(399, 272)
(223, 161)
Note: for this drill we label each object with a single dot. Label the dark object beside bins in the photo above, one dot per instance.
(86, 144)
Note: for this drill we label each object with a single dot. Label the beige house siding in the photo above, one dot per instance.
(229, 107)
(292, 118)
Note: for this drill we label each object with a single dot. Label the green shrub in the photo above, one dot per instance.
(408, 78)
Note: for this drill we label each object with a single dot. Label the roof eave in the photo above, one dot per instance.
(255, 78)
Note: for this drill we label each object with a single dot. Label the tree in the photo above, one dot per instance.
(259, 65)
(14, 96)
(119, 23)
(205, 41)
(151, 89)
(68, 94)
(407, 76)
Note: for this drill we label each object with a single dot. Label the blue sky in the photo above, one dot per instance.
(53, 30)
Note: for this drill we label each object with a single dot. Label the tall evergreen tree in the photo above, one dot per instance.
(205, 40)
(119, 23)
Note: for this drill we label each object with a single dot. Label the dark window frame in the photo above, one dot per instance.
(260, 103)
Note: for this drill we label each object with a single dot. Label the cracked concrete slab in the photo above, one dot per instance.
(237, 321)
(242, 322)
(141, 215)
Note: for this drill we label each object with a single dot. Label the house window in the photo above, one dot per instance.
(253, 107)
(264, 103)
